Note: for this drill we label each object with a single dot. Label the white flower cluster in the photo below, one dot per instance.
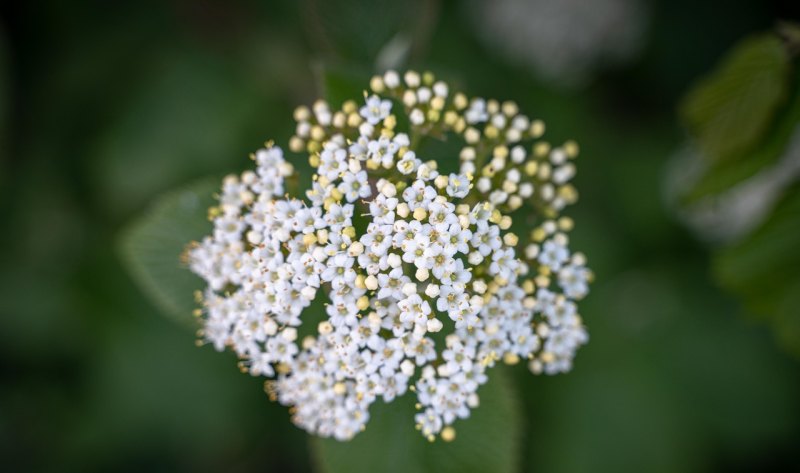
(415, 279)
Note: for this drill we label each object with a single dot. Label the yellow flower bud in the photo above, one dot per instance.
(360, 281)
(510, 359)
(528, 286)
(350, 106)
(376, 84)
(353, 120)
(541, 149)
(296, 144)
(448, 434)
(309, 239)
(317, 133)
(460, 101)
(571, 148)
(537, 128)
(565, 224)
(302, 113)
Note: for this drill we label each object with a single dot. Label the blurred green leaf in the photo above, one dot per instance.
(488, 441)
(762, 269)
(722, 175)
(151, 247)
(743, 117)
(729, 111)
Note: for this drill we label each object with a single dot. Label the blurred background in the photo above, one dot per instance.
(694, 360)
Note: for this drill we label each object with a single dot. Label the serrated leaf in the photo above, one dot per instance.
(487, 441)
(729, 111)
(151, 247)
(762, 269)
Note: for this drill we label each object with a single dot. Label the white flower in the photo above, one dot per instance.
(562, 313)
(429, 422)
(339, 216)
(477, 112)
(452, 300)
(333, 161)
(416, 117)
(378, 238)
(391, 285)
(441, 215)
(375, 110)
(503, 263)
(382, 151)
(574, 280)
(340, 266)
(355, 185)
(382, 209)
(414, 309)
(456, 239)
(458, 186)
(308, 220)
(419, 195)
(408, 163)
(486, 239)
(553, 255)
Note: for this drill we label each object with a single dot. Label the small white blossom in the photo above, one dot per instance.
(408, 163)
(375, 109)
(458, 186)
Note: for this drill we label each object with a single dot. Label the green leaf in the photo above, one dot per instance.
(722, 175)
(487, 441)
(151, 247)
(729, 111)
(762, 269)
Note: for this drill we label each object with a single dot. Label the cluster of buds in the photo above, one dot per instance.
(423, 286)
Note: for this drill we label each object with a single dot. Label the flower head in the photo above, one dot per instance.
(394, 252)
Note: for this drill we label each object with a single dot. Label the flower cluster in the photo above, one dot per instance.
(411, 276)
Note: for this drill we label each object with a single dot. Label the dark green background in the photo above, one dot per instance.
(105, 105)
